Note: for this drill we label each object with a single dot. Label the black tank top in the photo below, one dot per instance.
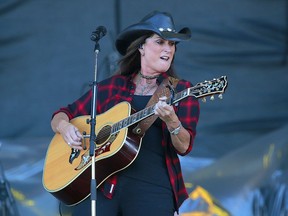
(149, 165)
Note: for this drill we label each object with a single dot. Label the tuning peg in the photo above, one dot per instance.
(204, 100)
(212, 98)
(220, 96)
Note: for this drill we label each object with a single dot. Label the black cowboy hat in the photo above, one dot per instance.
(160, 23)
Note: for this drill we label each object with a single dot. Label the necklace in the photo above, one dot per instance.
(144, 89)
(148, 78)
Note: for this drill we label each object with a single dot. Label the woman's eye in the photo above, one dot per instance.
(171, 43)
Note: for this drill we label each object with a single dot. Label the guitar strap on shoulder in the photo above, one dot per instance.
(162, 90)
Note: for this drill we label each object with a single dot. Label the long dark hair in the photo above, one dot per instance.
(130, 62)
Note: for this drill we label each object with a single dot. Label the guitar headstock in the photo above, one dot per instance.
(210, 88)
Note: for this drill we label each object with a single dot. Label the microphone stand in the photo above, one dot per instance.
(95, 36)
(93, 184)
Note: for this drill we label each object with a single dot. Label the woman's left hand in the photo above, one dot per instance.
(165, 111)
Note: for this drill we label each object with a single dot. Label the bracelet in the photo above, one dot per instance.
(176, 130)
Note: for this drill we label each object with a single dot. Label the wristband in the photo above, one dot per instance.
(176, 130)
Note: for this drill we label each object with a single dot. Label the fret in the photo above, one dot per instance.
(115, 128)
(146, 111)
(131, 120)
(128, 121)
(125, 122)
(180, 96)
(141, 114)
(151, 109)
(119, 125)
(134, 118)
(137, 117)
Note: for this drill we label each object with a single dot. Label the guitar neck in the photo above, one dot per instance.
(215, 86)
(145, 113)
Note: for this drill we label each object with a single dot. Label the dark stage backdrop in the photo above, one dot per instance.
(47, 60)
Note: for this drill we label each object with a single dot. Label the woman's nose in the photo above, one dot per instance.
(167, 47)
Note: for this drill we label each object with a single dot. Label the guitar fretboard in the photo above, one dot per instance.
(148, 111)
(199, 90)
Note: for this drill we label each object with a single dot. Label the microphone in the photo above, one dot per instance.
(98, 33)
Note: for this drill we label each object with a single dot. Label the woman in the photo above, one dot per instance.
(153, 183)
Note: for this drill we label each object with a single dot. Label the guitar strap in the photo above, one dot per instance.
(162, 90)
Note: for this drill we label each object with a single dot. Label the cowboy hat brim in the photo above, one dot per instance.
(131, 33)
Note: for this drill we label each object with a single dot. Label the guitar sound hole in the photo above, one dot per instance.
(103, 135)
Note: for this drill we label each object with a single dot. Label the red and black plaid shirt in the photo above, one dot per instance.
(120, 88)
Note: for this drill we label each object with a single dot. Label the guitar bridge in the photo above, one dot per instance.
(84, 161)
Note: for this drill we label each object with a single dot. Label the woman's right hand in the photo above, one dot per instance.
(70, 134)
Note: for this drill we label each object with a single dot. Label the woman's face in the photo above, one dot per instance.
(156, 54)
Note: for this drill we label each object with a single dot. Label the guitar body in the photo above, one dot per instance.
(70, 182)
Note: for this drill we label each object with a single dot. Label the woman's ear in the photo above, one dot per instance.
(141, 50)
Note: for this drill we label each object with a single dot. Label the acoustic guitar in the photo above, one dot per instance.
(67, 172)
